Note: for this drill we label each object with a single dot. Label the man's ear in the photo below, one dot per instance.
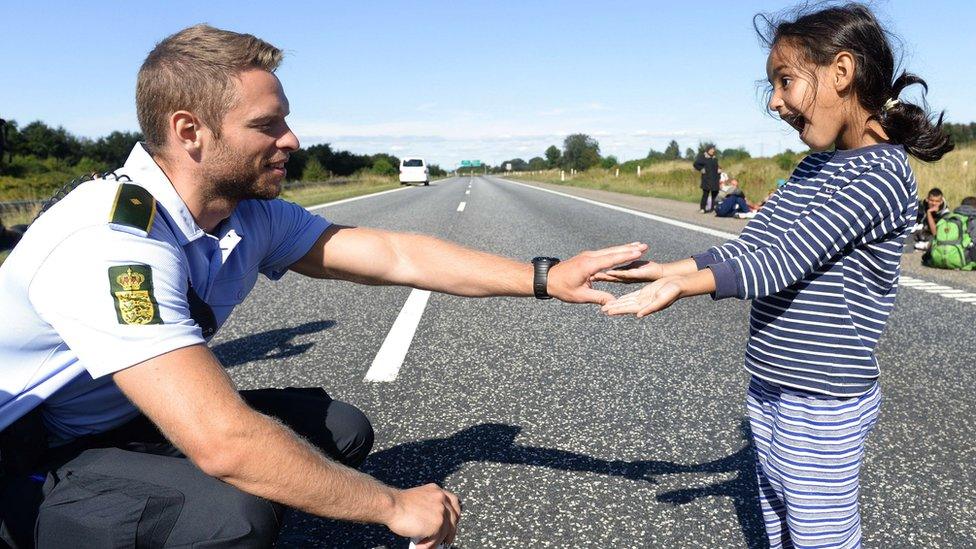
(842, 72)
(187, 131)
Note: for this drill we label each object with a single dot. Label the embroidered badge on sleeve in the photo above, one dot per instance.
(132, 290)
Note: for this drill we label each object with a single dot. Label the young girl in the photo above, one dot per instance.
(820, 261)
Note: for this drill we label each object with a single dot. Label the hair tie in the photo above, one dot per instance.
(889, 104)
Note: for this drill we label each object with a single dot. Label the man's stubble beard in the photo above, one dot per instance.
(230, 176)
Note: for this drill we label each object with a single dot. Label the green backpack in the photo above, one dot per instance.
(953, 244)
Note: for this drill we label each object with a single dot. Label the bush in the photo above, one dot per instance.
(787, 160)
(314, 171)
(382, 166)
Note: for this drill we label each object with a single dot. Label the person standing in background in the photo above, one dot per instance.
(707, 164)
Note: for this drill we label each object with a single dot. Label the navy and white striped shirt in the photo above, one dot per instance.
(821, 261)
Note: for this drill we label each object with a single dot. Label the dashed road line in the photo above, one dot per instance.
(386, 365)
(461, 206)
(947, 292)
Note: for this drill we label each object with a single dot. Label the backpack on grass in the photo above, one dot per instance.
(954, 243)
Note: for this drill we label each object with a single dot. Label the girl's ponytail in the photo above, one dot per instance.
(911, 125)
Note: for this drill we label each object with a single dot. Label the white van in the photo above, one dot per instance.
(414, 170)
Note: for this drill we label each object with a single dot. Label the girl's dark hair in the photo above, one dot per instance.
(820, 35)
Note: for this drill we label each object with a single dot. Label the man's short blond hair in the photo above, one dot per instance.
(193, 70)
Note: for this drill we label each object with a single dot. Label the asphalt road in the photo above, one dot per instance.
(560, 427)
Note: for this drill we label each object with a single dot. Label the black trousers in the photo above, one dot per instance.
(706, 204)
(130, 487)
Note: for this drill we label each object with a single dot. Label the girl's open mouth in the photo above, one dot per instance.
(796, 120)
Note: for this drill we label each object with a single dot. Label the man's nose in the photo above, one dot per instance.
(288, 141)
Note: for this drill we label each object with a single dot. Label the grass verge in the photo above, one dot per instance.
(955, 174)
(312, 195)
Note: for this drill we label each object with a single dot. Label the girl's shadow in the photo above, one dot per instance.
(269, 345)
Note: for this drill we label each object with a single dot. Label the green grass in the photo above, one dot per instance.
(955, 174)
(318, 194)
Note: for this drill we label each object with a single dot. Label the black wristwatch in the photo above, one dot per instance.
(540, 282)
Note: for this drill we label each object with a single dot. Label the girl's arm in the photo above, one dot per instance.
(749, 240)
(867, 209)
(647, 271)
(662, 293)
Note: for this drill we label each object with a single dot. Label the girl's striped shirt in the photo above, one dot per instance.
(821, 262)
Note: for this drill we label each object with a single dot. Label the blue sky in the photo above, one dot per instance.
(467, 80)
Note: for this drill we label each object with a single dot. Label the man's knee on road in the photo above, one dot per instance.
(352, 432)
(337, 428)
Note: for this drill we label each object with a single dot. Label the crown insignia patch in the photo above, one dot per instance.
(132, 291)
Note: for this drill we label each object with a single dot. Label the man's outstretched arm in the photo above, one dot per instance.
(188, 395)
(371, 256)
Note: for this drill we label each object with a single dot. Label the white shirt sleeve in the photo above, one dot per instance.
(109, 329)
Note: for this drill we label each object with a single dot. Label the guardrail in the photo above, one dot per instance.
(19, 205)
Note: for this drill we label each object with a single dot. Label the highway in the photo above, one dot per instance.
(560, 427)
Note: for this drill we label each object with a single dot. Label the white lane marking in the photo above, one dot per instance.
(667, 220)
(906, 281)
(947, 292)
(386, 365)
(461, 206)
(467, 191)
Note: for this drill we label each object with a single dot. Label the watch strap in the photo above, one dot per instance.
(540, 280)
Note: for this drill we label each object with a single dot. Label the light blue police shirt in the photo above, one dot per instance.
(62, 332)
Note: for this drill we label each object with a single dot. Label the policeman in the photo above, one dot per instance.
(109, 395)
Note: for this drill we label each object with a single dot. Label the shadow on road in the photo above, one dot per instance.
(270, 345)
(742, 489)
(434, 460)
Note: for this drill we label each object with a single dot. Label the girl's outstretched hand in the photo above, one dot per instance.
(652, 298)
(638, 271)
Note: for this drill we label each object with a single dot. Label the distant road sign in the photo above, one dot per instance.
(470, 163)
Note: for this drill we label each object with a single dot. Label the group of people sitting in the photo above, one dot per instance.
(731, 200)
(947, 237)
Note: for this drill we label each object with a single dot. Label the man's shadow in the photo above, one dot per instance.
(434, 460)
(270, 345)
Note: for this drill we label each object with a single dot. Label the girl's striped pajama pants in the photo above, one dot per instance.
(809, 450)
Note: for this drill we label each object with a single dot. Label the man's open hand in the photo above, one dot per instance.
(570, 280)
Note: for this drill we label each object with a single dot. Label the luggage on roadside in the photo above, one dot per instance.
(954, 243)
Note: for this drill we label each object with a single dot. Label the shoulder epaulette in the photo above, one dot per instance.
(134, 207)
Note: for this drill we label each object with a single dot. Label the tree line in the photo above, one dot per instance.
(582, 152)
(39, 149)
